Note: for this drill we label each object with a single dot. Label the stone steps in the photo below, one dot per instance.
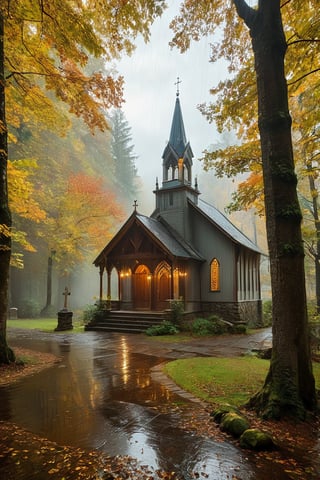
(126, 322)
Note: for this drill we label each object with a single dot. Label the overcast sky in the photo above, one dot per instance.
(150, 92)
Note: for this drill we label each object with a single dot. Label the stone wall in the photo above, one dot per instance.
(251, 313)
(248, 312)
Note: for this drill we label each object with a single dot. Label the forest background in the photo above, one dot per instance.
(70, 190)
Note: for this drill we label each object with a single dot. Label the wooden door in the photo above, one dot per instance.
(164, 290)
(142, 288)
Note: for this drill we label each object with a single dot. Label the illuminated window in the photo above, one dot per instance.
(214, 275)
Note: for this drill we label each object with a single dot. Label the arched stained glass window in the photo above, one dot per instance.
(214, 275)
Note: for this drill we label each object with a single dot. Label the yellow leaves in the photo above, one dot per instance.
(53, 470)
(5, 231)
(235, 98)
(20, 238)
(21, 198)
(48, 45)
(16, 260)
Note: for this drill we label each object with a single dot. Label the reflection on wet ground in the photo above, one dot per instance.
(103, 396)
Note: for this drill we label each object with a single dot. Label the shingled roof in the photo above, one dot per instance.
(173, 242)
(222, 223)
(168, 238)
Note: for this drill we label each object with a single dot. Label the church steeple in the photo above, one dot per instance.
(177, 138)
(176, 192)
(177, 156)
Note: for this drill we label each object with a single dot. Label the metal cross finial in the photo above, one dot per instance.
(135, 204)
(178, 83)
(66, 293)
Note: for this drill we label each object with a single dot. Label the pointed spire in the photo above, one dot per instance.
(177, 134)
(177, 149)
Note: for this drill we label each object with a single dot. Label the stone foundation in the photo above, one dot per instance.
(248, 312)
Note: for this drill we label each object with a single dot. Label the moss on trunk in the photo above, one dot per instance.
(289, 388)
(281, 395)
(6, 353)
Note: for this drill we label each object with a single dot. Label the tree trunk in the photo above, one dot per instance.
(289, 388)
(6, 354)
(315, 213)
(48, 308)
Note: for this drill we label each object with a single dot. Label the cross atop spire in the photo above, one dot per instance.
(135, 204)
(178, 83)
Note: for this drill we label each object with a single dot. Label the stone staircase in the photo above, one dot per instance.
(124, 321)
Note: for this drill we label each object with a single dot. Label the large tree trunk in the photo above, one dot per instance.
(48, 308)
(289, 387)
(315, 212)
(6, 354)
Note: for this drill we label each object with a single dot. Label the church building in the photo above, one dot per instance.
(186, 250)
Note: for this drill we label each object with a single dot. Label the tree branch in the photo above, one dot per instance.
(304, 76)
(306, 40)
(245, 12)
(285, 3)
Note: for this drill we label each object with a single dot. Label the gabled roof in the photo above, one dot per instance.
(170, 238)
(223, 224)
(166, 239)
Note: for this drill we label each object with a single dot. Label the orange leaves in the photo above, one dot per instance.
(21, 451)
(85, 218)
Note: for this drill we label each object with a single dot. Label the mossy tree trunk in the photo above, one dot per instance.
(315, 250)
(6, 354)
(289, 387)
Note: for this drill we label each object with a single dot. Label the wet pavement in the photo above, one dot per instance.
(108, 393)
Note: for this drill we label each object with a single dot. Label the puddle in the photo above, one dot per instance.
(102, 396)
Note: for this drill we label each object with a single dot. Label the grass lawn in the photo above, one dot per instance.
(43, 324)
(222, 380)
(176, 338)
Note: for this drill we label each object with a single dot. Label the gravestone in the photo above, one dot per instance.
(13, 313)
(64, 315)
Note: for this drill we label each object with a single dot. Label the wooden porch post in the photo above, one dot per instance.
(172, 282)
(109, 286)
(101, 283)
(119, 288)
(153, 293)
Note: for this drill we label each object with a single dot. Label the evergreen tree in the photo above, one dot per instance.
(53, 40)
(123, 155)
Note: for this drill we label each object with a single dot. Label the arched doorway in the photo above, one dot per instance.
(114, 285)
(163, 278)
(142, 288)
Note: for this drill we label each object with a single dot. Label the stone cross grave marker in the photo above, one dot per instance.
(66, 293)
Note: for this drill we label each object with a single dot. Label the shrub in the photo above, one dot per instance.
(209, 326)
(176, 311)
(165, 328)
(202, 327)
(239, 328)
(93, 313)
(88, 313)
(267, 313)
(28, 309)
(313, 315)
